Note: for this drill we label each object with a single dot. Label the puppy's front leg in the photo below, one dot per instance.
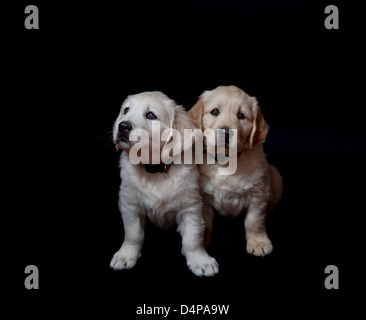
(126, 257)
(191, 227)
(208, 215)
(258, 242)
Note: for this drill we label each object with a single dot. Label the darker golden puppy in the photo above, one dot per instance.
(256, 186)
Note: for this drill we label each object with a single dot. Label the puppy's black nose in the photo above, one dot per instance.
(124, 127)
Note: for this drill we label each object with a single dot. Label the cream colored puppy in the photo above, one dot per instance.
(166, 194)
(256, 186)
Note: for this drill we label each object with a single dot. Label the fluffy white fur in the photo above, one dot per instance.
(167, 199)
(256, 186)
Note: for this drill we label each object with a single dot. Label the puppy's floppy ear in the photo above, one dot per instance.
(196, 113)
(182, 121)
(260, 127)
(177, 142)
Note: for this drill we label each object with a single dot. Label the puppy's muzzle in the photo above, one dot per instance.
(124, 130)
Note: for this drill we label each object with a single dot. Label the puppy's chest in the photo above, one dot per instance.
(160, 200)
(229, 196)
(159, 196)
(158, 205)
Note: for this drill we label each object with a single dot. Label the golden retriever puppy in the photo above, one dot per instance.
(256, 186)
(167, 194)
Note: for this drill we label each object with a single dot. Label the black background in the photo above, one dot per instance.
(66, 82)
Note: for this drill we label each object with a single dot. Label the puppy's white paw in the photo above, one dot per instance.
(259, 245)
(201, 264)
(124, 259)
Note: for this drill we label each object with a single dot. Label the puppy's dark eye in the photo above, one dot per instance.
(241, 116)
(150, 116)
(126, 110)
(215, 112)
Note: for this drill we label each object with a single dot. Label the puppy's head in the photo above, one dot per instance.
(140, 113)
(228, 107)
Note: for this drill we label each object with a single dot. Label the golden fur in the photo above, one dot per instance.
(256, 186)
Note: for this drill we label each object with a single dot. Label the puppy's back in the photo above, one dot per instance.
(276, 188)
